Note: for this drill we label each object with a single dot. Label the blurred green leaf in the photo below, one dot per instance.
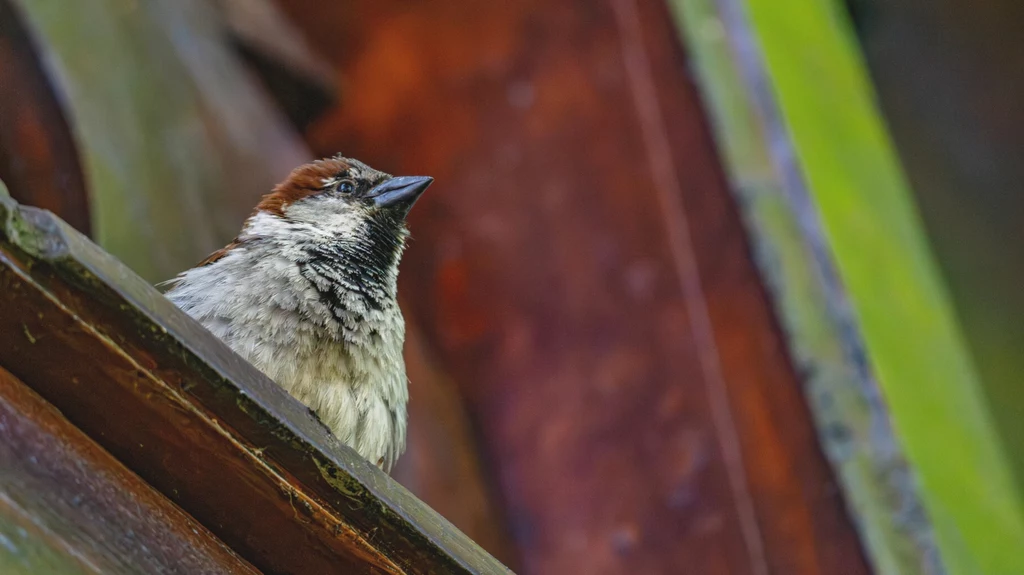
(914, 343)
(178, 141)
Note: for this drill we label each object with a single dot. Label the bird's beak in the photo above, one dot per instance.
(399, 194)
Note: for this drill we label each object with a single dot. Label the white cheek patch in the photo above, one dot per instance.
(343, 226)
(327, 216)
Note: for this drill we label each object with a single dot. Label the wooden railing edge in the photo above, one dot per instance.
(381, 510)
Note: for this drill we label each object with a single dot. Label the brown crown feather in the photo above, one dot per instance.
(304, 181)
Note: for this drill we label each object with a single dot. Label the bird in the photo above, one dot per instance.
(307, 293)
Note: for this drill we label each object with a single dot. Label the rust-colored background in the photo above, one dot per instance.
(38, 160)
(580, 272)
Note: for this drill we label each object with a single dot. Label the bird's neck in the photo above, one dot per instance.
(353, 272)
(352, 277)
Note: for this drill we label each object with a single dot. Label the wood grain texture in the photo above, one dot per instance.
(38, 159)
(76, 496)
(206, 429)
(584, 276)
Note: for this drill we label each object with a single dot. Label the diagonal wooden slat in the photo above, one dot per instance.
(67, 506)
(207, 430)
(669, 192)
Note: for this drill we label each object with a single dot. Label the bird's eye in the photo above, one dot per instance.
(346, 187)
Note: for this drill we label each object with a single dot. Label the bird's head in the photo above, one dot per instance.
(343, 196)
(336, 212)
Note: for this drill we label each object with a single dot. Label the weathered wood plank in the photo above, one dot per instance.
(96, 515)
(206, 429)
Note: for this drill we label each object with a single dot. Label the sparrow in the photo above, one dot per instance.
(307, 293)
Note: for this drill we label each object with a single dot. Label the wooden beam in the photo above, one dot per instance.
(165, 206)
(67, 506)
(207, 430)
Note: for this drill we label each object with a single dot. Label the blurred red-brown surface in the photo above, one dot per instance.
(581, 274)
(38, 160)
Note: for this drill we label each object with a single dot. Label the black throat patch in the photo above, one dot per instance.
(342, 270)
